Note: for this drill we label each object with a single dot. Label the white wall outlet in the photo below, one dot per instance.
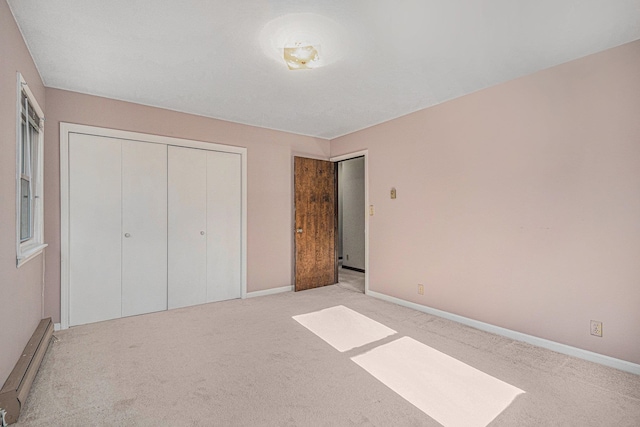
(420, 289)
(596, 328)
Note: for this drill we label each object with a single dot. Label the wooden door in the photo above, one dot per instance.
(187, 252)
(315, 223)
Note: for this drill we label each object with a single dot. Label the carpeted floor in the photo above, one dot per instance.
(248, 363)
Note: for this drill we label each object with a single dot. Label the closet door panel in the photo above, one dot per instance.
(224, 215)
(144, 227)
(95, 251)
(187, 226)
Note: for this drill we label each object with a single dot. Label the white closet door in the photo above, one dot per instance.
(94, 235)
(144, 227)
(187, 227)
(224, 216)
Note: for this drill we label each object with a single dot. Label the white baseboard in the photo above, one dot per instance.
(612, 362)
(57, 327)
(269, 291)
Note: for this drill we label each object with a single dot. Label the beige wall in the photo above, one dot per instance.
(269, 154)
(518, 205)
(20, 288)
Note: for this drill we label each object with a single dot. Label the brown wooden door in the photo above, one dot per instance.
(315, 222)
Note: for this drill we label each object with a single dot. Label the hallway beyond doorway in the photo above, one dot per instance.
(351, 280)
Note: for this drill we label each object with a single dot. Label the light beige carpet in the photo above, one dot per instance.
(249, 363)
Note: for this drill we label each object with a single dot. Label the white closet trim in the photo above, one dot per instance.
(68, 128)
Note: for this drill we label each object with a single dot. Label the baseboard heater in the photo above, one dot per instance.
(15, 390)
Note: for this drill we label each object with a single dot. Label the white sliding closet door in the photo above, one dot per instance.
(224, 217)
(117, 228)
(95, 210)
(187, 284)
(144, 227)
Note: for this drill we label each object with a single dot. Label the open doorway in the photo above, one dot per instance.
(351, 224)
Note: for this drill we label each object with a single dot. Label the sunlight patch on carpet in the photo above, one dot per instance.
(343, 328)
(449, 391)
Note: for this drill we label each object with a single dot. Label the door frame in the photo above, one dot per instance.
(69, 128)
(353, 155)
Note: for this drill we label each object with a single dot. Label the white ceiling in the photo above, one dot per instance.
(206, 56)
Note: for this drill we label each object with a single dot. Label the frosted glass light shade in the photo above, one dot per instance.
(301, 57)
(305, 30)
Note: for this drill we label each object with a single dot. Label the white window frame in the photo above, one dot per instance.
(34, 245)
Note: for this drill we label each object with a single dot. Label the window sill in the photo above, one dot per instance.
(30, 253)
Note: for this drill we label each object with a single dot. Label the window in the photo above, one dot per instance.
(29, 202)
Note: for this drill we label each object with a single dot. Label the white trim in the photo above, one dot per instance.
(365, 154)
(30, 253)
(68, 128)
(243, 243)
(271, 291)
(22, 84)
(29, 249)
(349, 156)
(64, 226)
(590, 356)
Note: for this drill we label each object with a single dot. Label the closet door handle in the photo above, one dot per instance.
(127, 234)
(202, 233)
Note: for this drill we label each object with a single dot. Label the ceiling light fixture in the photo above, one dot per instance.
(302, 56)
(297, 38)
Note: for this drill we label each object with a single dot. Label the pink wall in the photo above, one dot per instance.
(269, 154)
(20, 289)
(518, 205)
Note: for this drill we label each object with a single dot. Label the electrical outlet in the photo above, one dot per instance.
(420, 289)
(596, 328)
(347, 257)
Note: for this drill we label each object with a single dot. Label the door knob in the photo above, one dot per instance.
(127, 235)
(299, 230)
(202, 233)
